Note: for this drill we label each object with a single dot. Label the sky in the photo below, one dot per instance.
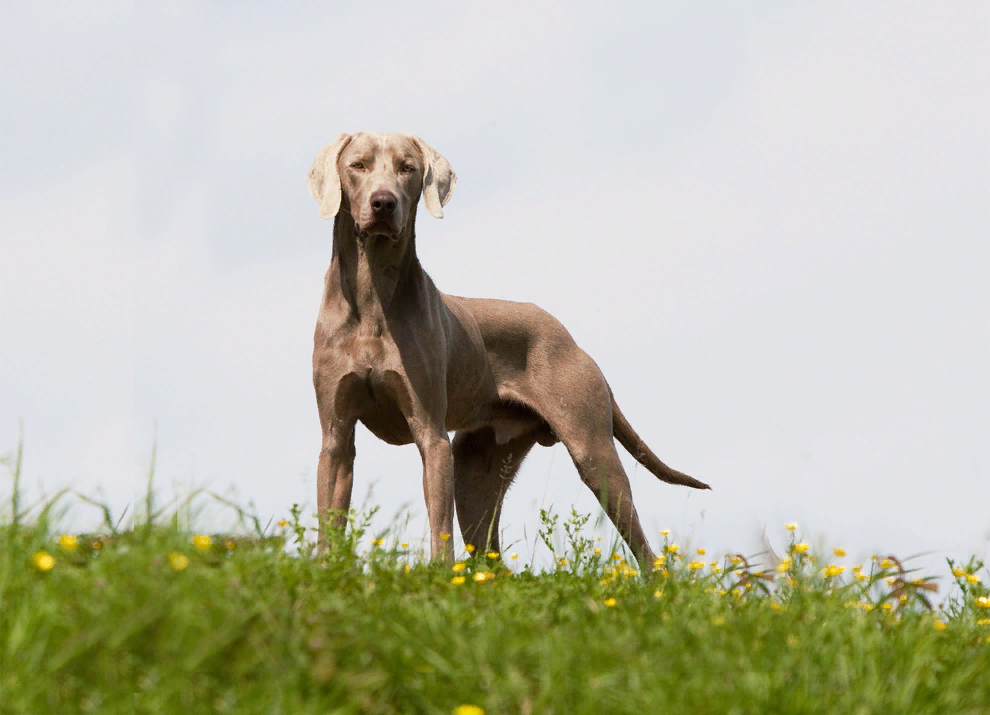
(767, 224)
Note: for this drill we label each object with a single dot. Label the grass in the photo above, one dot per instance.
(155, 618)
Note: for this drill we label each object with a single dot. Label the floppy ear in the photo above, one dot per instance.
(323, 179)
(439, 179)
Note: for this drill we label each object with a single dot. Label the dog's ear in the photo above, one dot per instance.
(323, 179)
(439, 179)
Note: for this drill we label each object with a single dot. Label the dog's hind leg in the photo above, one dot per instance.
(483, 471)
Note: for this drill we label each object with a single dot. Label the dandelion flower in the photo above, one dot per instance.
(202, 541)
(43, 560)
(791, 527)
(469, 548)
(939, 625)
(457, 580)
(610, 602)
(458, 567)
(68, 542)
(178, 561)
(468, 710)
(839, 552)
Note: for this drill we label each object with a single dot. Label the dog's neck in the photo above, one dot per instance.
(371, 271)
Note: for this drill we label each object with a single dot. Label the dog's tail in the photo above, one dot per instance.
(635, 445)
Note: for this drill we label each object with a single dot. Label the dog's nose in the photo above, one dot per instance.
(383, 202)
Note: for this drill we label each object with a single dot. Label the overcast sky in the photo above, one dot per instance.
(769, 224)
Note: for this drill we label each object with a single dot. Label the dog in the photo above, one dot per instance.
(412, 363)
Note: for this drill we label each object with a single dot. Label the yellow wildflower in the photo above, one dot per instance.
(659, 592)
(469, 548)
(735, 560)
(940, 625)
(610, 602)
(791, 527)
(983, 602)
(617, 556)
(973, 578)
(959, 573)
(514, 556)
(857, 569)
(784, 565)
(405, 544)
(672, 548)
(861, 576)
(444, 536)
(283, 523)
(68, 542)
(377, 542)
(457, 580)
(887, 606)
(660, 561)
(178, 561)
(867, 607)
(886, 564)
(833, 570)
(775, 606)
(983, 622)
(458, 567)
(701, 552)
(716, 568)
(597, 551)
(202, 541)
(482, 576)
(408, 568)
(468, 710)
(839, 552)
(800, 548)
(695, 565)
(665, 532)
(493, 554)
(43, 560)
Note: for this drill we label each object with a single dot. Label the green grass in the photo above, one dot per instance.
(149, 619)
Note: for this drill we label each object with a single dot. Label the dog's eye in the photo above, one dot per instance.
(408, 169)
(357, 165)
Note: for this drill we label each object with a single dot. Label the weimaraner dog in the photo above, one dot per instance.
(413, 364)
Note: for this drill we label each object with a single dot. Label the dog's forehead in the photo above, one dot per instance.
(381, 142)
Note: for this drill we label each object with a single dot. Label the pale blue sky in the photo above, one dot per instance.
(769, 227)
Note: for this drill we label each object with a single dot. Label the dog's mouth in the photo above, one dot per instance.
(376, 228)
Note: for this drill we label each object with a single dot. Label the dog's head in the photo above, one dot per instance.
(377, 179)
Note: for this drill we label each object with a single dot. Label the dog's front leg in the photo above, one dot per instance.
(438, 489)
(334, 477)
